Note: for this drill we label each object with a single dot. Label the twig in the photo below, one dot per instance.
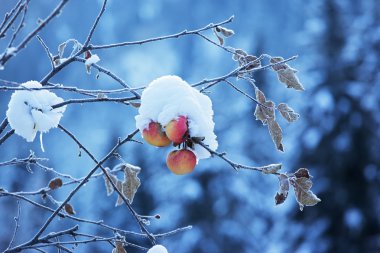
(3, 124)
(17, 219)
(21, 24)
(85, 44)
(19, 9)
(47, 50)
(6, 136)
(92, 100)
(8, 15)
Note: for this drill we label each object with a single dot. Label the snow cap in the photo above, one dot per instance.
(158, 249)
(168, 97)
(30, 111)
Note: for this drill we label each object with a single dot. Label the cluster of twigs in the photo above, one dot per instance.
(127, 96)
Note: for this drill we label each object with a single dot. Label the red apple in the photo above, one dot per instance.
(181, 161)
(176, 129)
(155, 136)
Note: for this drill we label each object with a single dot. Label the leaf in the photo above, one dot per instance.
(283, 192)
(119, 186)
(224, 31)
(55, 183)
(108, 184)
(286, 74)
(302, 186)
(135, 104)
(265, 109)
(119, 248)
(61, 49)
(302, 172)
(69, 209)
(221, 40)
(238, 54)
(271, 168)
(287, 112)
(276, 133)
(131, 181)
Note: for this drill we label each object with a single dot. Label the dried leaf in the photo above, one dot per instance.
(271, 168)
(119, 186)
(61, 49)
(283, 192)
(304, 196)
(135, 104)
(55, 183)
(277, 67)
(221, 40)
(276, 133)
(286, 74)
(287, 112)
(238, 53)
(108, 184)
(69, 209)
(264, 110)
(131, 181)
(225, 31)
(119, 248)
(302, 172)
(251, 59)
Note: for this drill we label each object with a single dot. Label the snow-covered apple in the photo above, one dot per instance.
(154, 135)
(176, 129)
(181, 161)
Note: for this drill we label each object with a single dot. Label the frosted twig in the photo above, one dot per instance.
(21, 23)
(85, 44)
(6, 136)
(4, 25)
(47, 50)
(93, 100)
(17, 220)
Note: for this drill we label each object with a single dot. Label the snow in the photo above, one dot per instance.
(29, 111)
(169, 97)
(92, 60)
(158, 249)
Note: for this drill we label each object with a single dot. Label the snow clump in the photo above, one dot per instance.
(158, 249)
(168, 97)
(30, 111)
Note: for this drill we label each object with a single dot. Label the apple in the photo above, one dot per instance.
(181, 161)
(176, 129)
(154, 135)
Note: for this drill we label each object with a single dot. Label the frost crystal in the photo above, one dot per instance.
(168, 97)
(30, 111)
(158, 249)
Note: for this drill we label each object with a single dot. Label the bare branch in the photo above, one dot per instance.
(95, 24)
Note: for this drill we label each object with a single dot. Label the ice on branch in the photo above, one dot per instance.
(30, 111)
(169, 97)
(158, 249)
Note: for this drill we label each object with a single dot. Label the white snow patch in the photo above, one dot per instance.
(92, 60)
(158, 249)
(29, 111)
(169, 97)
(11, 51)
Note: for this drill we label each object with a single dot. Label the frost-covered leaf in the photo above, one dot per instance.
(135, 104)
(302, 172)
(93, 59)
(224, 31)
(302, 186)
(276, 133)
(238, 54)
(69, 209)
(271, 168)
(131, 181)
(61, 49)
(287, 112)
(119, 186)
(265, 109)
(158, 249)
(55, 183)
(108, 184)
(220, 38)
(283, 192)
(286, 74)
(119, 248)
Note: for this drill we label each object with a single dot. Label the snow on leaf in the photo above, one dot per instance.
(287, 112)
(276, 133)
(30, 111)
(286, 74)
(119, 186)
(158, 249)
(107, 182)
(168, 97)
(302, 186)
(131, 181)
(69, 209)
(220, 38)
(271, 168)
(93, 59)
(119, 248)
(265, 109)
(55, 183)
(224, 31)
(283, 192)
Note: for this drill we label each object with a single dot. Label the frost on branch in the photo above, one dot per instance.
(30, 111)
(158, 249)
(169, 97)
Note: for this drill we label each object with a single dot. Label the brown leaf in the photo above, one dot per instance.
(271, 168)
(283, 192)
(220, 38)
(69, 209)
(287, 112)
(55, 183)
(108, 184)
(277, 67)
(286, 74)
(238, 54)
(225, 31)
(304, 196)
(119, 186)
(119, 248)
(302, 172)
(276, 133)
(265, 109)
(131, 181)
(135, 104)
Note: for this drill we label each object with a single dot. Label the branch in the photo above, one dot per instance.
(95, 24)
(6, 136)
(93, 100)
(17, 219)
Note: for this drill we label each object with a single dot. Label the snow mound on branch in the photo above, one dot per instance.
(169, 97)
(30, 111)
(158, 249)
